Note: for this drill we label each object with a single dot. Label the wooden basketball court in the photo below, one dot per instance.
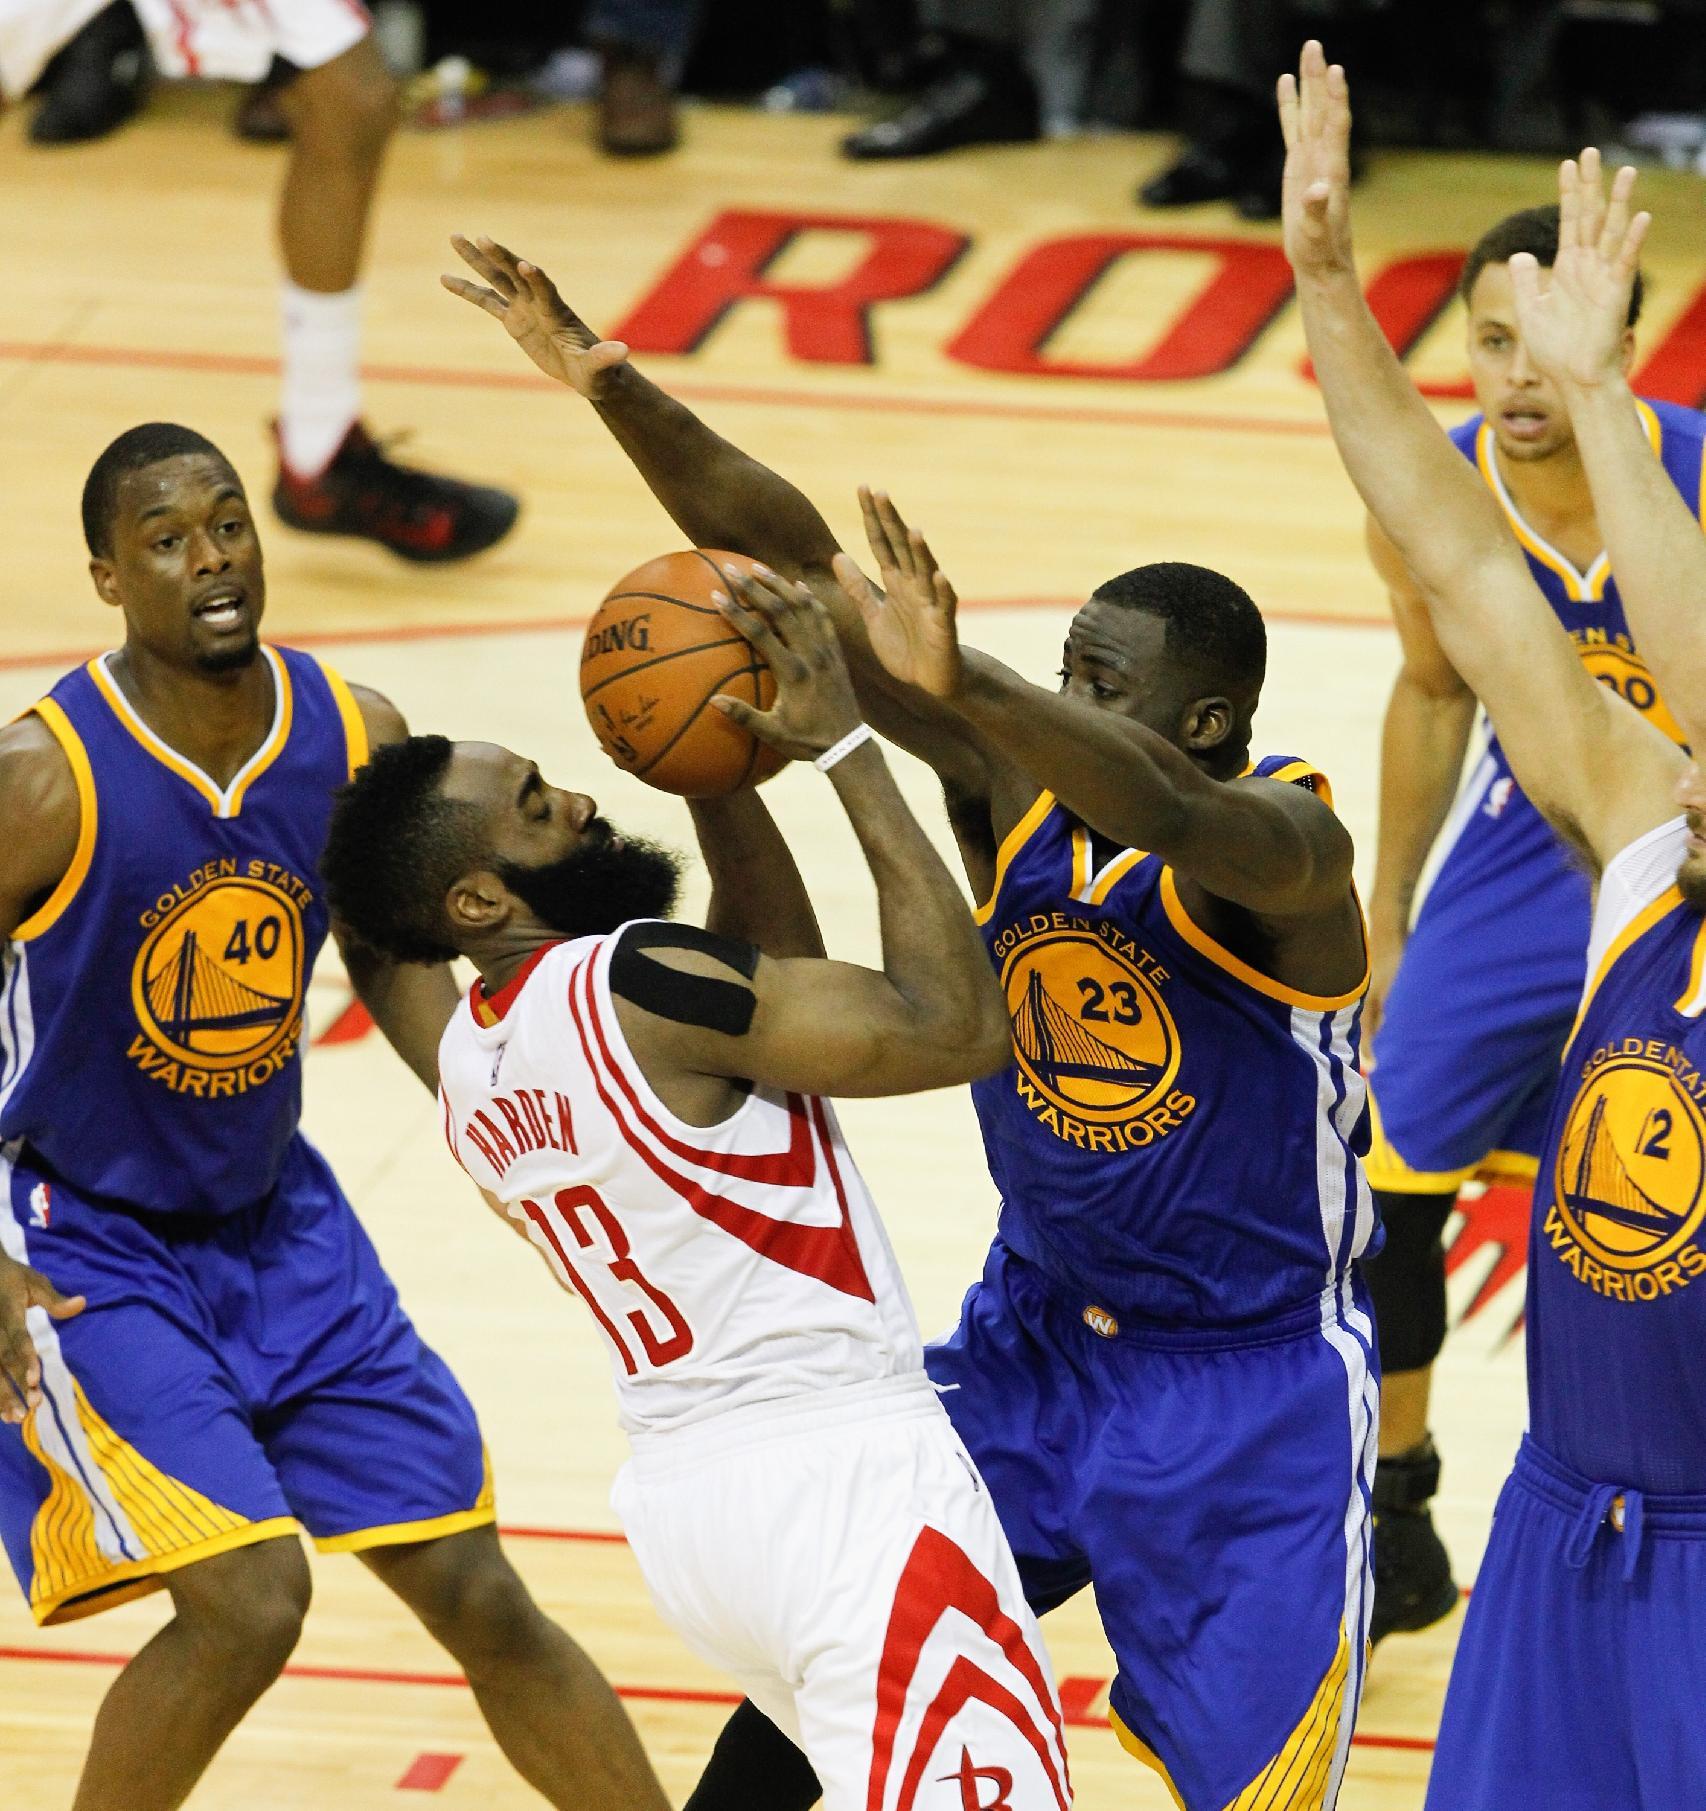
(1030, 404)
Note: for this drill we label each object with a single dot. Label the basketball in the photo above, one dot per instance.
(657, 652)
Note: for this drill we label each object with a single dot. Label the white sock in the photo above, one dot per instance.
(321, 395)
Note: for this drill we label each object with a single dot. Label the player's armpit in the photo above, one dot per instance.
(812, 1026)
(39, 799)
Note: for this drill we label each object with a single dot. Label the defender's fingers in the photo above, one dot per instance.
(1629, 257)
(1287, 95)
(476, 254)
(875, 533)
(752, 625)
(896, 531)
(1569, 202)
(1525, 280)
(1616, 225)
(483, 298)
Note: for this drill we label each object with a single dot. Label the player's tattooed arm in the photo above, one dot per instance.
(719, 496)
(1576, 330)
(757, 895)
(1562, 732)
(411, 1002)
(931, 1017)
(38, 801)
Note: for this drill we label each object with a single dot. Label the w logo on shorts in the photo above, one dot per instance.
(971, 1780)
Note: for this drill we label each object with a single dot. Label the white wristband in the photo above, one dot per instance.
(856, 737)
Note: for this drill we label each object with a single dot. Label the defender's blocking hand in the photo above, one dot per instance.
(911, 621)
(540, 322)
(1576, 328)
(1315, 119)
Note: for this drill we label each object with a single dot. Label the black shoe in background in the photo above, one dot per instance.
(1413, 1586)
(95, 83)
(417, 515)
(1199, 175)
(981, 95)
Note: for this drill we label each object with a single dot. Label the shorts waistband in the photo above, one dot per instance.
(666, 1450)
(1126, 1327)
(1630, 1514)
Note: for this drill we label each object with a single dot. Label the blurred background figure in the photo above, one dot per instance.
(643, 46)
(95, 83)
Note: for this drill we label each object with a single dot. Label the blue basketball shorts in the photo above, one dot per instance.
(1465, 1062)
(1215, 1489)
(230, 1381)
(1577, 1680)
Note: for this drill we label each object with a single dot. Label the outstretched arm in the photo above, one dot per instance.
(717, 495)
(411, 1002)
(1576, 330)
(1562, 732)
(1274, 849)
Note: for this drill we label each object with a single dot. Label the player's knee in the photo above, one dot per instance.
(347, 108)
(243, 1613)
(473, 1601)
(1407, 1280)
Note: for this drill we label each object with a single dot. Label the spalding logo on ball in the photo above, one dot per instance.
(657, 652)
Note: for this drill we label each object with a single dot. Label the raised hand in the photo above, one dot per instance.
(1576, 327)
(815, 706)
(1315, 119)
(911, 620)
(540, 322)
(22, 1289)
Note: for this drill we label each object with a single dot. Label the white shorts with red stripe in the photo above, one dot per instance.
(235, 40)
(839, 1556)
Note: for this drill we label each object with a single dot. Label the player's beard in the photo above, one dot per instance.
(606, 880)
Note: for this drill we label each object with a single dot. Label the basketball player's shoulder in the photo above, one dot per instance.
(38, 776)
(686, 974)
(1464, 435)
(1294, 770)
(1676, 421)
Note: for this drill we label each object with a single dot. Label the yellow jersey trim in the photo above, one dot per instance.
(1295, 771)
(1691, 1004)
(47, 914)
(1011, 844)
(1387, 1170)
(1631, 934)
(1134, 1744)
(355, 725)
(1205, 946)
(1093, 888)
(131, 1579)
(1114, 873)
(228, 802)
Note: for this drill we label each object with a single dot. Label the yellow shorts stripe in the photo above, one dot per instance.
(1296, 1779)
(1134, 1744)
(433, 1528)
(72, 1573)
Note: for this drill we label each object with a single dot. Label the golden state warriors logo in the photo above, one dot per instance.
(1097, 1050)
(217, 984)
(1630, 1180)
(1614, 663)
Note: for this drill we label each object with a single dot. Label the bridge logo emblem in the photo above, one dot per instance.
(217, 984)
(1097, 1049)
(1629, 1178)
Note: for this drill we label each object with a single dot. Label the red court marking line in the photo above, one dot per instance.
(637, 1694)
(760, 395)
(613, 1536)
(429, 1772)
(566, 625)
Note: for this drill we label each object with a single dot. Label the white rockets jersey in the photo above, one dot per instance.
(725, 1265)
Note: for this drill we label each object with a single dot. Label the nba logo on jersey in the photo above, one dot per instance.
(41, 1206)
(1498, 796)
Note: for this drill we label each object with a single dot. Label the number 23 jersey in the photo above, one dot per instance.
(1177, 1140)
(727, 1265)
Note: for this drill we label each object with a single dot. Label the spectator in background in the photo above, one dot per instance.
(644, 45)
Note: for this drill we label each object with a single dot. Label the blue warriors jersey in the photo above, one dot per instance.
(1617, 1251)
(151, 1009)
(1177, 1138)
(1587, 603)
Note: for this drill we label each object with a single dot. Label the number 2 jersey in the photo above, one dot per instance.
(151, 1007)
(1177, 1140)
(726, 1266)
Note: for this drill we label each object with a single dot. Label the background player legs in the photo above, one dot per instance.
(341, 119)
(167, 1714)
(549, 1708)
(754, 1767)
(1413, 1585)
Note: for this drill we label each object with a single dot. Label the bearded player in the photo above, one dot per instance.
(1575, 1679)
(643, 1101)
(1165, 1373)
(200, 1355)
(341, 105)
(1468, 1030)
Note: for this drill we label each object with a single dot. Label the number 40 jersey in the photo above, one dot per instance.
(727, 1265)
